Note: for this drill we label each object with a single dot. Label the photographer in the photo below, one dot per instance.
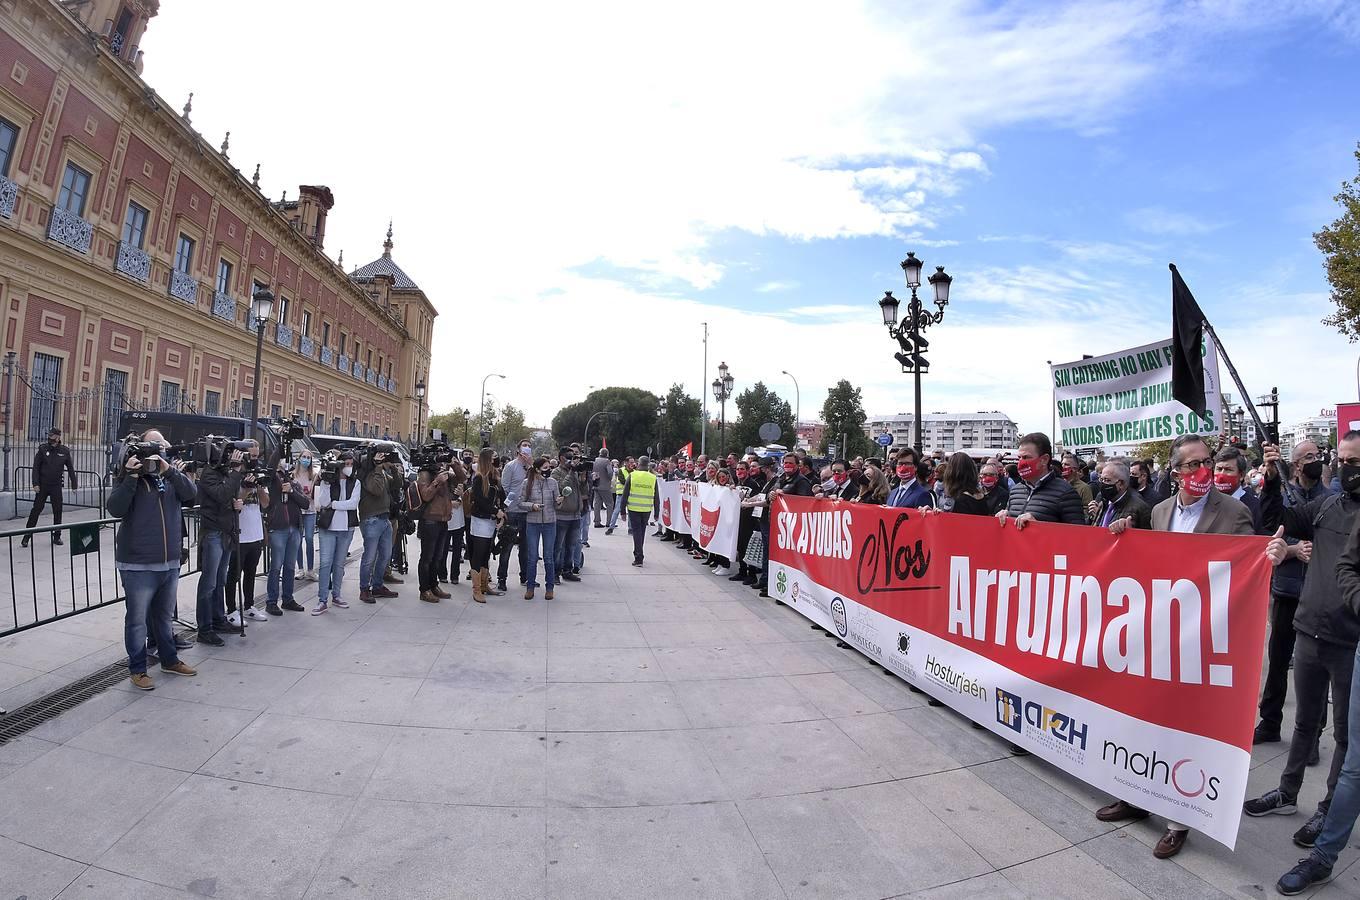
(433, 487)
(337, 504)
(575, 501)
(219, 502)
(149, 496)
(381, 477)
(284, 519)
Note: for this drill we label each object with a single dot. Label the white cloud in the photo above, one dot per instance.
(1161, 221)
(772, 287)
(516, 145)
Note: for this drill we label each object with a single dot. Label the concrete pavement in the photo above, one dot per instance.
(649, 733)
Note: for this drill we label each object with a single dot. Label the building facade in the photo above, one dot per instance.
(1317, 429)
(130, 250)
(949, 432)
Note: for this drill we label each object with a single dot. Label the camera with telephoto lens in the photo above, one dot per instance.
(433, 457)
(332, 465)
(134, 447)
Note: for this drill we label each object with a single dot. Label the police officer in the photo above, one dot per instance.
(48, 463)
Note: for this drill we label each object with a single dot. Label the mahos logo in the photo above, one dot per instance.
(1188, 778)
(838, 616)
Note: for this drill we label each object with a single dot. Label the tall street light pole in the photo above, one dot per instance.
(466, 414)
(797, 405)
(703, 421)
(481, 410)
(585, 444)
(722, 389)
(420, 411)
(661, 427)
(908, 334)
(262, 308)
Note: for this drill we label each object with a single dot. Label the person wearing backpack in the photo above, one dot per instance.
(430, 502)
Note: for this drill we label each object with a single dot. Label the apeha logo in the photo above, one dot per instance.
(838, 616)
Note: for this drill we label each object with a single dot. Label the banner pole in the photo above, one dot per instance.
(1237, 380)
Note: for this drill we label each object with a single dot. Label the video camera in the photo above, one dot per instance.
(433, 457)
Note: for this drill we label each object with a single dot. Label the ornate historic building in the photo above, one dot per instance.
(130, 249)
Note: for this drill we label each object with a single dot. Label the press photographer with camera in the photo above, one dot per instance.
(284, 518)
(439, 474)
(149, 496)
(382, 480)
(230, 465)
(337, 505)
(573, 478)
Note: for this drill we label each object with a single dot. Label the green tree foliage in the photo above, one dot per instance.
(680, 425)
(508, 428)
(843, 413)
(1340, 245)
(755, 406)
(458, 429)
(631, 426)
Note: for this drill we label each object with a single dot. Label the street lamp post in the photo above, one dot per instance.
(467, 413)
(661, 426)
(262, 308)
(908, 334)
(420, 411)
(797, 406)
(722, 389)
(481, 410)
(585, 444)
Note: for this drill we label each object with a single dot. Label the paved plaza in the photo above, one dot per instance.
(649, 733)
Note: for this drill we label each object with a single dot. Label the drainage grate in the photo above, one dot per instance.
(49, 706)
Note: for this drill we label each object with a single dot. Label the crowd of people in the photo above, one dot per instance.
(542, 509)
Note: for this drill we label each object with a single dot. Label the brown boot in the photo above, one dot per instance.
(488, 586)
(428, 597)
(478, 588)
(441, 594)
(548, 595)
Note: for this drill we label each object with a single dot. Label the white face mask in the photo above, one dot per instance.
(347, 471)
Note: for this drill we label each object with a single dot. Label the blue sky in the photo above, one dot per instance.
(764, 167)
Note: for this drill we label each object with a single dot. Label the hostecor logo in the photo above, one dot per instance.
(838, 616)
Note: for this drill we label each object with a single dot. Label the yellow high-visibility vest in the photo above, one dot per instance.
(620, 477)
(641, 491)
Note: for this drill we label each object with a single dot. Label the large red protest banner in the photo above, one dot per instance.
(1131, 661)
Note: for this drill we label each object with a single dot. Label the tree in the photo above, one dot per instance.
(1157, 451)
(508, 429)
(680, 425)
(458, 429)
(843, 413)
(755, 406)
(1340, 245)
(630, 427)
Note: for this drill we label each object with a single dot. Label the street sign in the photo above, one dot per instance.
(884, 439)
(770, 432)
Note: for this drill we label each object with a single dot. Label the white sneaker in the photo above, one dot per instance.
(234, 618)
(311, 575)
(254, 614)
(722, 571)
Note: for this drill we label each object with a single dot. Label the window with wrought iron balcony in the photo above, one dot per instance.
(9, 190)
(132, 260)
(67, 225)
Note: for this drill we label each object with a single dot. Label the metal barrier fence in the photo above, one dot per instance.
(90, 494)
(50, 581)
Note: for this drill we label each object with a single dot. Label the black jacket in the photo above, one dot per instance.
(1330, 598)
(1287, 580)
(1131, 504)
(1051, 500)
(48, 464)
(217, 492)
(151, 531)
(485, 503)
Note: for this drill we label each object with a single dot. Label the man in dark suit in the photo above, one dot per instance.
(1117, 500)
(1196, 507)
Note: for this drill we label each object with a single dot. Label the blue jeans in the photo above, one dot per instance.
(377, 532)
(330, 570)
(150, 597)
(618, 508)
(1345, 808)
(546, 533)
(212, 579)
(283, 548)
(567, 544)
(308, 535)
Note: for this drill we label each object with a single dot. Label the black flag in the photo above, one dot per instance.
(1187, 346)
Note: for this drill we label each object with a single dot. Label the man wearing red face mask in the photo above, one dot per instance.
(1230, 471)
(842, 487)
(909, 492)
(1196, 507)
(1040, 495)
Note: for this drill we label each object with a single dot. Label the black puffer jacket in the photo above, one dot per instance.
(1051, 500)
(1330, 599)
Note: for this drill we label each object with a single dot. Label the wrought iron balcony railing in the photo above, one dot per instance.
(224, 306)
(183, 287)
(134, 262)
(70, 230)
(9, 197)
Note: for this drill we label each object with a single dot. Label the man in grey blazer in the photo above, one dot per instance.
(1195, 507)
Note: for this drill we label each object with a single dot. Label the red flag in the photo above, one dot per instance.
(604, 442)
(687, 451)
